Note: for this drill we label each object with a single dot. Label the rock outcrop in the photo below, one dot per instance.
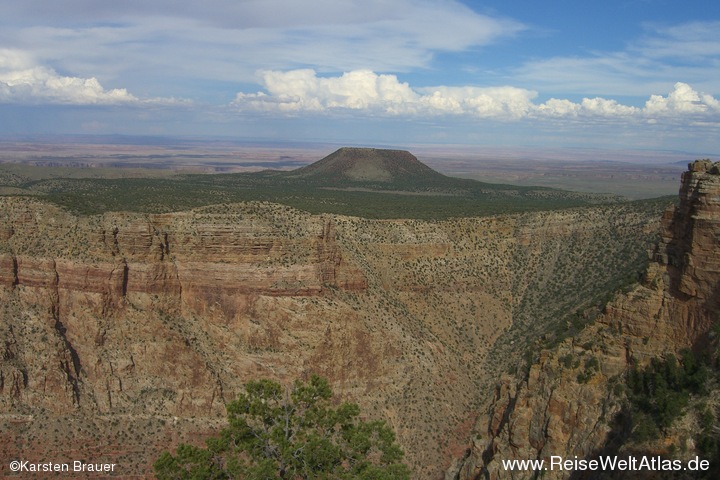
(566, 404)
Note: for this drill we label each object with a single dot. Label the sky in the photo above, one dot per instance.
(617, 74)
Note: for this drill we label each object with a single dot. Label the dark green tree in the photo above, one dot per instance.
(292, 433)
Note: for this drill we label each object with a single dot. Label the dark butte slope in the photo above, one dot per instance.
(400, 171)
(371, 165)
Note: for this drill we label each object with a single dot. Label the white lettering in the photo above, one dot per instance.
(79, 466)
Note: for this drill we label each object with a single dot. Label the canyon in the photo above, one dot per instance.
(126, 333)
(562, 409)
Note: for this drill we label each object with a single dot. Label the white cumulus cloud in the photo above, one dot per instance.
(558, 108)
(366, 91)
(497, 102)
(303, 90)
(682, 100)
(606, 108)
(24, 81)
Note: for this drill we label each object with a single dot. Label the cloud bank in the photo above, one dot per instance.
(362, 91)
(303, 91)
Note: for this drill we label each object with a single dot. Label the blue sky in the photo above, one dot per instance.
(618, 74)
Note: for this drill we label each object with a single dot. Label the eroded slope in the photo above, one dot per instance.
(573, 403)
(126, 333)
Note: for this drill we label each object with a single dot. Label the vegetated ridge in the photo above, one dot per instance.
(371, 183)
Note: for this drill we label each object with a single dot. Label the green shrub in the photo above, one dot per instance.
(661, 391)
(275, 432)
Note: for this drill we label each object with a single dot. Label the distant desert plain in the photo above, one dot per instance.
(631, 174)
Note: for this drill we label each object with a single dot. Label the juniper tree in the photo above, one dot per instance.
(290, 433)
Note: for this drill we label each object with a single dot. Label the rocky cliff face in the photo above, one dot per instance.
(566, 404)
(92, 286)
(123, 334)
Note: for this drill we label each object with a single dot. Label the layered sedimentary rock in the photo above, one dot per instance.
(123, 334)
(566, 404)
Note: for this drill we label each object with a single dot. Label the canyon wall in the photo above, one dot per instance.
(124, 334)
(567, 403)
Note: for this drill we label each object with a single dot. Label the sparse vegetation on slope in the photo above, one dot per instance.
(554, 298)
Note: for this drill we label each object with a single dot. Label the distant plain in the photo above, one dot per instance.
(635, 175)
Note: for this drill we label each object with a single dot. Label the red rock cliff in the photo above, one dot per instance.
(127, 333)
(552, 412)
